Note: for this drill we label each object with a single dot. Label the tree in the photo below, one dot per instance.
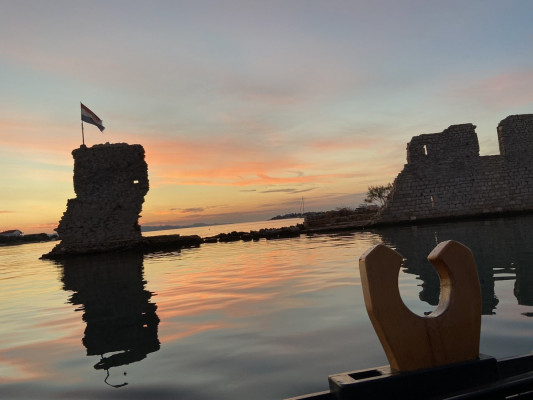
(379, 194)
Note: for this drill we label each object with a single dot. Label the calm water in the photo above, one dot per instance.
(262, 320)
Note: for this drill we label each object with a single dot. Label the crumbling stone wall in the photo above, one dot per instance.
(110, 181)
(445, 176)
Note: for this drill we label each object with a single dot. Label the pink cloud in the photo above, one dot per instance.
(509, 89)
(347, 142)
(215, 177)
(30, 136)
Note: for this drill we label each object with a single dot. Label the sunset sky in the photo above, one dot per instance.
(245, 107)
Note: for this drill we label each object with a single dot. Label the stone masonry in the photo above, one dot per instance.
(110, 181)
(445, 177)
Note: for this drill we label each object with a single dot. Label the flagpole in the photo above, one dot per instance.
(82, 134)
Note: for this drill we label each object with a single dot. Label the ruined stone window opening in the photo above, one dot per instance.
(432, 201)
(135, 181)
(425, 149)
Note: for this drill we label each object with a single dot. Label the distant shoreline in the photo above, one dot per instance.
(30, 238)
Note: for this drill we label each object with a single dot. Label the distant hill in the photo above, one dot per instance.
(288, 216)
(151, 228)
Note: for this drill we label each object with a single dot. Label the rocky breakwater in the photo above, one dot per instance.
(340, 219)
(110, 181)
(267, 233)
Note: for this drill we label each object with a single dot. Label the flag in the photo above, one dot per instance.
(91, 118)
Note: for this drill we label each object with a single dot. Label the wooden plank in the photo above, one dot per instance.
(450, 334)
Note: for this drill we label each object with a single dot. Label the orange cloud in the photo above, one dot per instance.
(45, 227)
(233, 162)
(23, 136)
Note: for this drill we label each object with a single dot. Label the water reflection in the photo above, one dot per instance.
(503, 249)
(121, 321)
(524, 279)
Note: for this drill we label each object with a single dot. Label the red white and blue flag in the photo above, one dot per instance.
(91, 118)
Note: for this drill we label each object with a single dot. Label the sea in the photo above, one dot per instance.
(269, 319)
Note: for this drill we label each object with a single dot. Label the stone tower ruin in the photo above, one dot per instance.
(445, 177)
(110, 181)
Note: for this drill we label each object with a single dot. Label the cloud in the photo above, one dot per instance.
(233, 161)
(353, 141)
(508, 89)
(226, 161)
(6, 212)
(26, 134)
(287, 190)
(45, 227)
(205, 178)
(188, 210)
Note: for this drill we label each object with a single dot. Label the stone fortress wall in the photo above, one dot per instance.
(110, 181)
(445, 177)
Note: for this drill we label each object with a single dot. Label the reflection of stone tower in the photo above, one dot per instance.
(117, 309)
(110, 181)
